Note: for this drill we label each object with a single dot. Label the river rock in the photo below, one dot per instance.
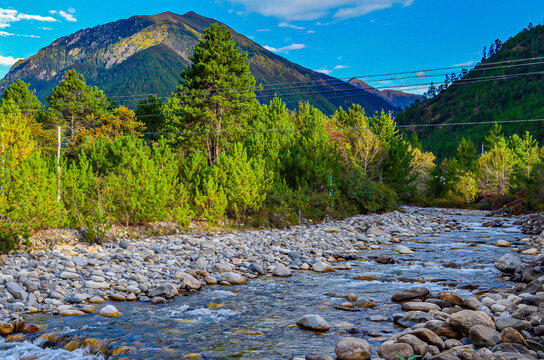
(188, 281)
(6, 328)
(256, 268)
(451, 297)
(322, 267)
(313, 322)
(71, 312)
(442, 328)
(531, 251)
(17, 291)
(417, 292)
(352, 348)
(465, 319)
(484, 336)
(281, 271)
(508, 263)
(317, 357)
(233, 278)
(165, 290)
(374, 231)
(420, 306)
(393, 351)
(512, 336)
(420, 347)
(429, 337)
(502, 243)
(506, 321)
(110, 311)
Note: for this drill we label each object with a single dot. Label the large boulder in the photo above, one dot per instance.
(507, 321)
(352, 348)
(484, 336)
(465, 319)
(442, 328)
(508, 263)
(393, 351)
(512, 336)
(451, 297)
(313, 322)
(417, 292)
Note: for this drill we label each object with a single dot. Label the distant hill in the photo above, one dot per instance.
(499, 100)
(398, 99)
(145, 54)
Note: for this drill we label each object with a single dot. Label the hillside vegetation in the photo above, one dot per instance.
(486, 101)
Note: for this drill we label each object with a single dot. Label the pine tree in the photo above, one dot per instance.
(77, 104)
(217, 93)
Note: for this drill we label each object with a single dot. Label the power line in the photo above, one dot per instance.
(334, 81)
(317, 92)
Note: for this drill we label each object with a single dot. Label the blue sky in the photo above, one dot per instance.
(343, 38)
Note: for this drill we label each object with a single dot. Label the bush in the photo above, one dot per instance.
(367, 196)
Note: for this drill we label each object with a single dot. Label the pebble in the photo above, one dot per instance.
(110, 311)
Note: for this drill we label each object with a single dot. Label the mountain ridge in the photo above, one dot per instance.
(146, 53)
(398, 98)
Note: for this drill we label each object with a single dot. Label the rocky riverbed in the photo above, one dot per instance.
(379, 254)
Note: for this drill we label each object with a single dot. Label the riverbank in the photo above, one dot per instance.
(159, 268)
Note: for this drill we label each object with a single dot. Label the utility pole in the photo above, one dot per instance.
(58, 165)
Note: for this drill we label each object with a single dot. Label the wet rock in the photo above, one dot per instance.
(465, 319)
(322, 267)
(89, 309)
(71, 312)
(508, 263)
(210, 280)
(352, 348)
(385, 260)
(393, 351)
(502, 243)
(318, 357)
(281, 271)
(484, 336)
(418, 292)
(157, 300)
(531, 251)
(6, 328)
(233, 278)
(110, 311)
(352, 297)
(313, 322)
(165, 290)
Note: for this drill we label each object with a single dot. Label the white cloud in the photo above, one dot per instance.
(5, 34)
(67, 16)
(8, 16)
(291, 26)
(466, 63)
(71, 10)
(310, 32)
(8, 60)
(338, 67)
(45, 28)
(313, 10)
(421, 74)
(324, 70)
(53, 12)
(263, 30)
(285, 49)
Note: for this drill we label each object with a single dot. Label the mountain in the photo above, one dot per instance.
(518, 94)
(397, 98)
(145, 54)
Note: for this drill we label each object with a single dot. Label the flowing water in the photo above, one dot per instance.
(257, 320)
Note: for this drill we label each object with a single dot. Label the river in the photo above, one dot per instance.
(257, 320)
